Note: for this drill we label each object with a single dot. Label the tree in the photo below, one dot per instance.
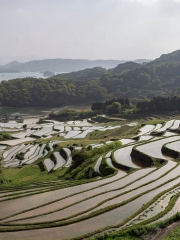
(114, 108)
(143, 79)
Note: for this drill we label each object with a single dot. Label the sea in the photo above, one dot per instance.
(24, 111)
(9, 76)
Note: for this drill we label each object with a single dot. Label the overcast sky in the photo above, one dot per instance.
(91, 29)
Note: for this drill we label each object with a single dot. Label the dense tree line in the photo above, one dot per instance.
(105, 106)
(160, 104)
(138, 82)
(86, 74)
(71, 115)
(52, 92)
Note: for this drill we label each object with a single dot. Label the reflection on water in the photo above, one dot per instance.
(25, 111)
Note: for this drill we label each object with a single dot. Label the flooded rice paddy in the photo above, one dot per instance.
(131, 189)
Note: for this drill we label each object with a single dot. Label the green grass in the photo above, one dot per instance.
(105, 169)
(27, 175)
(33, 174)
(123, 237)
(25, 172)
(155, 121)
(122, 132)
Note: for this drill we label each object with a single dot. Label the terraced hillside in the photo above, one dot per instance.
(54, 185)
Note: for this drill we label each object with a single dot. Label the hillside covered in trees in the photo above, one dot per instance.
(159, 104)
(86, 74)
(134, 81)
(111, 106)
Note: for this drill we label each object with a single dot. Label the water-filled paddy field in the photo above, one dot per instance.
(63, 178)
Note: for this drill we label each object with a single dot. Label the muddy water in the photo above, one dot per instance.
(13, 206)
(173, 211)
(175, 125)
(10, 151)
(158, 126)
(24, 191)
(123, 156)
(174, 146)
(84, 206)
(96, 167)
(126, 141)
(60, 160)
(145, 138)
(174, 173)
(152, 176)
(169, 134)
(92, 202)
(155, 208)
(109, 162)
(110, 218)
(81, 196)
(146, 129)
(154, 148)
(167, 125)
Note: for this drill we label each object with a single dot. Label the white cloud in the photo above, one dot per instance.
(116, 29)
(19, 10)
(142, 1)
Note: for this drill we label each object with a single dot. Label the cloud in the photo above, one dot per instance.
(148, 2)
(145, 1)
(19, 10)
(118, 29)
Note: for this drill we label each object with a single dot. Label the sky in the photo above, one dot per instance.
(88, 29)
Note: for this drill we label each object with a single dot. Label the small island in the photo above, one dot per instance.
(48, 74)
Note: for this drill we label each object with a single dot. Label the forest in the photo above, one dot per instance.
(159, 104)
(111, 106)
(129, 80)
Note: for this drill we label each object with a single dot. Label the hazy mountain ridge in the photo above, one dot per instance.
(10, 67)
(97, 72)
(11, 64)
(84, 75)
(168, 58)
(63, 65)
(130, 80)
(6, 70)
(124, 67)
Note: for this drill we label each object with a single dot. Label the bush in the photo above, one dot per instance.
(6, 136)
(105, 169)
(48, 148)
(87, 153)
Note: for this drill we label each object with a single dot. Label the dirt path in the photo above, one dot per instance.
(161, 233)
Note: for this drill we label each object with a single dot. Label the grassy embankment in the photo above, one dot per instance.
(32, 174)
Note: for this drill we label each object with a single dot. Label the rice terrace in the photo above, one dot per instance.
(84, 179)
(89, 120)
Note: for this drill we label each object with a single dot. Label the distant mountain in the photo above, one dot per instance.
(168, 58)
(12, 64)
(138, 81)
(97, 72)
(86, 74)
(63, 65)
(7, 70)
(10, 67)
(124, 67)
